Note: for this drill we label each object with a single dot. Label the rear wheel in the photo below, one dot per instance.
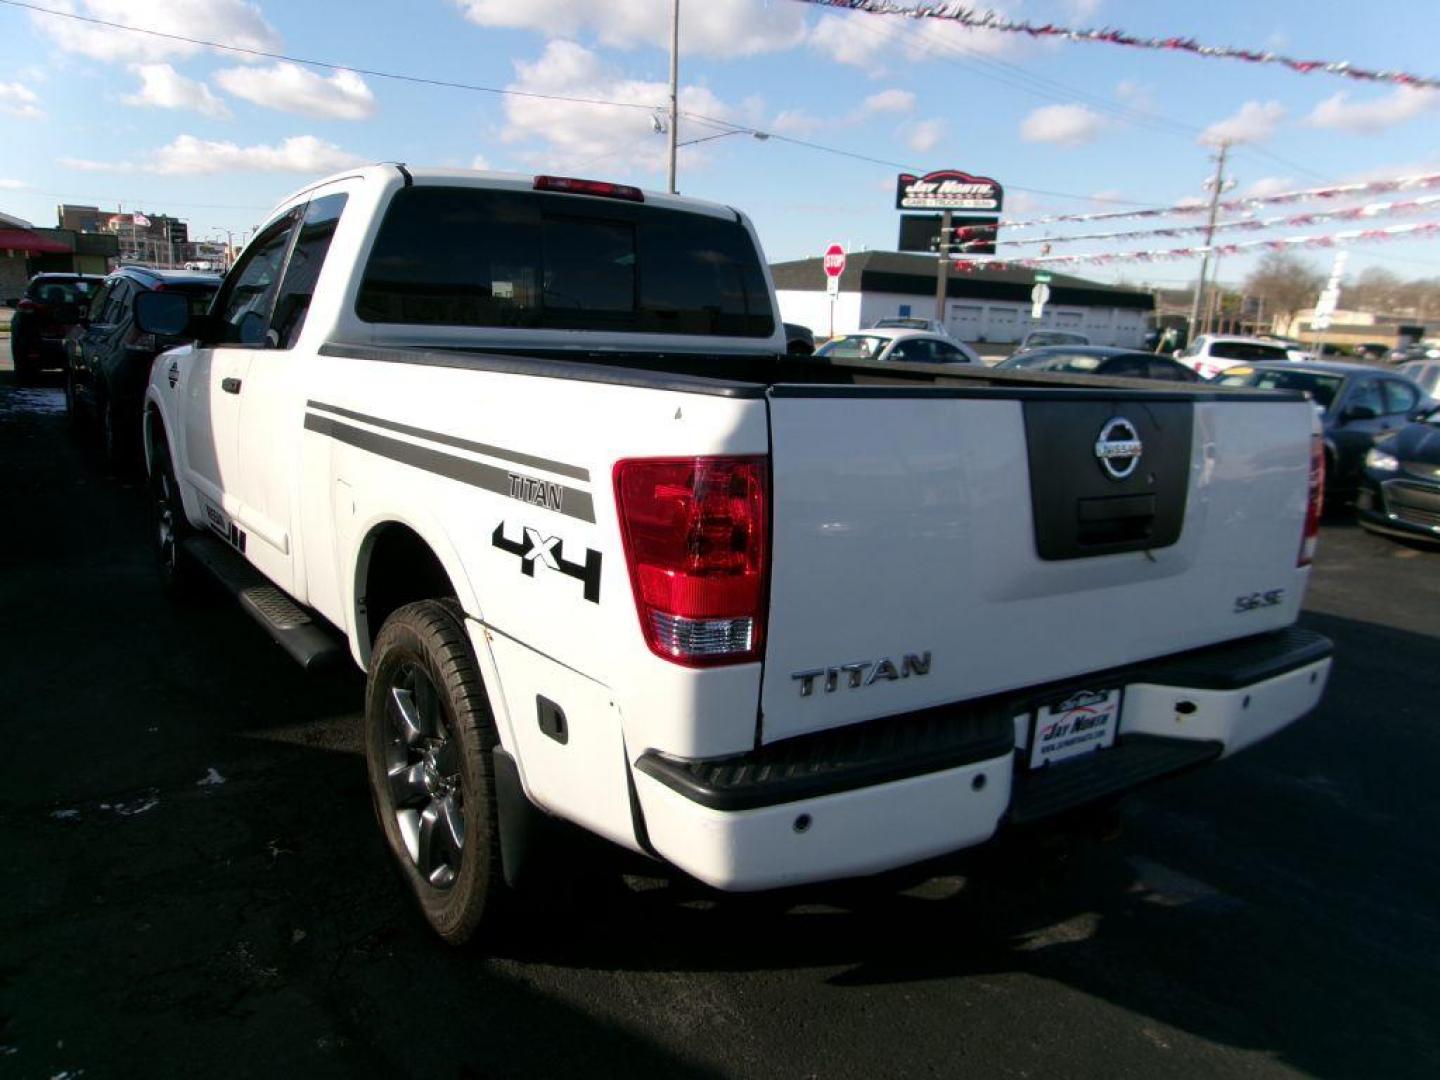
(429, 735)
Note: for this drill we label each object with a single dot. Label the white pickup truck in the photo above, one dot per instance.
(530, 450)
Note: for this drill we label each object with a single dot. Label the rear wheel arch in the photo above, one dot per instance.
(397, 564)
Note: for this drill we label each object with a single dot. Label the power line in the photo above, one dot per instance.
(327, 65)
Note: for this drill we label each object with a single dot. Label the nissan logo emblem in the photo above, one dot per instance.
(1118, 448)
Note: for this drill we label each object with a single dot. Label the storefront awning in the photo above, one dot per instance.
(32, 243)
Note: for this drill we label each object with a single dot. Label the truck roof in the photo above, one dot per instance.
(510, 181)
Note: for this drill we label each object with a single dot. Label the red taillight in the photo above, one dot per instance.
(696, 533)
(570, 186)
(1315, 504)
(29, 305)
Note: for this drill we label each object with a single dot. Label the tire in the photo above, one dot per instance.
(114, 444)
(169, 527)
(429, 734)
(72, 407)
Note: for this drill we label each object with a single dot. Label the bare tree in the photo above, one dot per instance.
(1374, 289)
(1285, 283)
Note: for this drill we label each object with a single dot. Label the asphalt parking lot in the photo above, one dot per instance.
(193, 884)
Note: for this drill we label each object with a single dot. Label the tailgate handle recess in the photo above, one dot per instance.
(1114, 519)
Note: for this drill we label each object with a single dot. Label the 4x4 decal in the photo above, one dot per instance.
(549, 551)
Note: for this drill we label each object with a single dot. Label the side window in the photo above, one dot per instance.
(243, 310)
(1160, 368)
(97, 302)
(1126, 367)
(1400, 398)
(947, 354)
(1366, 394)
(117, 303)
(293, 301)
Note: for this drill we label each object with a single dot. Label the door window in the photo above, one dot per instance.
(1400, 398)
(293, 301)
(117, 303)
(947, 354)
(98, 301)
(1366, 394)
(247, 296)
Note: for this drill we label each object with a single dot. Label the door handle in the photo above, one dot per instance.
(230, 386)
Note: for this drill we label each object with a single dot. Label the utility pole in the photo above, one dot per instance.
(1216, 185)
(942, 271)
(674, 86)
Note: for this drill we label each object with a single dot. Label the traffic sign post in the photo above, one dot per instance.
(834, 264)
(1039, 297)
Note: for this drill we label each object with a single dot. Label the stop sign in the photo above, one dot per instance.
(834, 261)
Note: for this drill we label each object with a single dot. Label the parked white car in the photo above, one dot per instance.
(1210, 354)
(899, 346)
(910, 322)
(608, 556)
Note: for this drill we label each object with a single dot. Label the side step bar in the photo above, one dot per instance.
(310, 642)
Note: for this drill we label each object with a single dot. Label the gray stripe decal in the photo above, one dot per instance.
(559, 468)
(572, 502)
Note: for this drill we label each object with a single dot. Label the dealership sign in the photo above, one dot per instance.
(948, 189)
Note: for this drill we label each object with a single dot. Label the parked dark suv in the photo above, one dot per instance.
(110, 358)
(37, 332)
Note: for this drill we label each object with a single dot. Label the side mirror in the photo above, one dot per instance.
(165, 314)
(1361, 412)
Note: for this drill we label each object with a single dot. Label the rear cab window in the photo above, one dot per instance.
(458, 256)
(1247, 350)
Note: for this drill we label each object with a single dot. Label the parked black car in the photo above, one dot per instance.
(110, 358)
(1400, 492)
(37, 332)
(1358, 404)
(1099, 360)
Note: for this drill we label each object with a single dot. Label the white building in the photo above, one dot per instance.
(983, 305)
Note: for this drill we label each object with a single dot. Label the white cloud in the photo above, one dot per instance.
(842, 39)
(1270, 185)
(924, 136)
(481, 162)
(229, 22)
(715, 28)
(564, 133)
(189, 156)
(1368, 117)
(18, 100)
(1255, 122)
(292, 88)
(12, 185)
(1063, 125)
(886, 101)
(1082, 9)
(162, 87)
(1136, 95)
(796, 122)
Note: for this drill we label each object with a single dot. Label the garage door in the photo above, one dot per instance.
(966, 322)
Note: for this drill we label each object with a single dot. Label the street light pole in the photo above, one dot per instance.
(674, 86)
(1217, 185)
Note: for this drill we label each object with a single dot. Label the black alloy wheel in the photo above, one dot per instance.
(429, 734)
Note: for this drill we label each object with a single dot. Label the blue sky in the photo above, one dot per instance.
(101, 116)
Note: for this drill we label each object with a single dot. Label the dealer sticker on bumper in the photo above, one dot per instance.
(1083, 722)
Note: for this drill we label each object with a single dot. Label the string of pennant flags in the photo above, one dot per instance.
(1418, 182)
(1352, 213)
(1411, 230)
(984, 19)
